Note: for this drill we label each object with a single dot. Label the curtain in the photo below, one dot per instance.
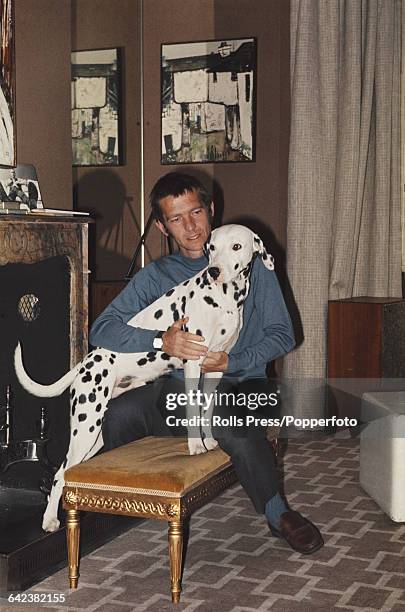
(344, 228)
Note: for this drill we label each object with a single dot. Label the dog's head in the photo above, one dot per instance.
(231, 249)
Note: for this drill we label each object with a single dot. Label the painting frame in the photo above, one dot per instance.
(8, 122)
(96, 105)
(208, 101)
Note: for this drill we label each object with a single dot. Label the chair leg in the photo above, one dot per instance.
(73, 538)
(175, 557)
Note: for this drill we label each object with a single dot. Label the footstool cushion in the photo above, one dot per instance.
(152, 464)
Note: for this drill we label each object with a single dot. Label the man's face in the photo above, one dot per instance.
(187, 221)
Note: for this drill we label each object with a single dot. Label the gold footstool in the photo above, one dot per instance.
(151, 478)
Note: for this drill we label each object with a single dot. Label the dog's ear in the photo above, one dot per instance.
(259, 247)
(206, 247)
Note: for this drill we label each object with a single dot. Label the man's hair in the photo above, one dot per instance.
(175, 184)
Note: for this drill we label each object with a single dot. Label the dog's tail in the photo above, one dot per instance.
(41, 390)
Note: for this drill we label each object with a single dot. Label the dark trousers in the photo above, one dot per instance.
(142, 412)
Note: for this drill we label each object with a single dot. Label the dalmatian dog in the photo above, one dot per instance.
(213, 302)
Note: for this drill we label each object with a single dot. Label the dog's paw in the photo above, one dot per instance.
(196, 447)
(210, 443)
(50, 524)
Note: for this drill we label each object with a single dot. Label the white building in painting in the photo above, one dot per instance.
(210, 93)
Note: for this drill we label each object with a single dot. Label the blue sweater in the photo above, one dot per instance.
(266, 333)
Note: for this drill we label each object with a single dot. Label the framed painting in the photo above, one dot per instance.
(208, 98)
(96, 107)
(7, 84)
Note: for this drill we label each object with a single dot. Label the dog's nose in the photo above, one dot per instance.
(214, 272)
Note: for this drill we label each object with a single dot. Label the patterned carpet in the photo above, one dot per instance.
(233, 565)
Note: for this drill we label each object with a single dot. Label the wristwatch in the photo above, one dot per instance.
(158, 342)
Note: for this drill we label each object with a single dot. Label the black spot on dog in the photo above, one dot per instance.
(55, 482)
(105, 373)
(99, 388)
(158, 313)
(106, 392)
(184, 360)
(264, 255)
(210, 301)
(75, 432)
(171, 366)
(82, 417)
(111, 360)
(91, 429)
(183, 304)
(240, 303)
(98, 422)
(98, 407)
(191, 294)
(223, 331)
(73, 393)
(165, 356)
(173, 306)
(141, 362)
(89, 365)
(257, 240)
(92, 397)
(82, 398)
(169, 293)
(97, 379)
(81, 370)
(113, 355)
(212, 248)
(86, 377)
(198, 332)
(236, 296)
(197, 280)
(176, 315)
(186, 283)
(236, 266)
(97, 357)
(64, 462)
(151, 356)
(124, 385)
(224, 288)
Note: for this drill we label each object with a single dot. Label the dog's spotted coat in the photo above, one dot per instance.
(212, 299)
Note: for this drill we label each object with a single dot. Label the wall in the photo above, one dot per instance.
(112, 194)
(47, 31)
(42, 49)
(253, 192)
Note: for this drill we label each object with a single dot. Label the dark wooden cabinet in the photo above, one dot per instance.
(366, 338)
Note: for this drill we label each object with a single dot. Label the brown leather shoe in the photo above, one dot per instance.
(298, 532)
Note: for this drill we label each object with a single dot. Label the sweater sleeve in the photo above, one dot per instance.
(278, 335)
(111, 331)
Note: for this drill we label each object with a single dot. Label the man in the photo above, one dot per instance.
(183, 209)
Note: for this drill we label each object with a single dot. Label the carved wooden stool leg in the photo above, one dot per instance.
(175, 557)
(73, 538)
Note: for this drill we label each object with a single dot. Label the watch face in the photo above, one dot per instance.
(157, 343)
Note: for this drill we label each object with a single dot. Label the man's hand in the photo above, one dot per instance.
(181, 344)
(215, 362)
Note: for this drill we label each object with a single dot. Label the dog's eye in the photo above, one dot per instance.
(237, 246)
(212, 248)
